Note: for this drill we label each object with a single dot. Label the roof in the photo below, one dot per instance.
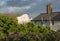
(45, 16)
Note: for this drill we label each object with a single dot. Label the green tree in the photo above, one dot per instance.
(7, 24)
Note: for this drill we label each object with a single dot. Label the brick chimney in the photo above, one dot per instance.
(49, 8)
(49, 12)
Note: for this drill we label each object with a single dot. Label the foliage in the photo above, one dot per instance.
(10, 30)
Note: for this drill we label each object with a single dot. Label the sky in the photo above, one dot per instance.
(31, 7)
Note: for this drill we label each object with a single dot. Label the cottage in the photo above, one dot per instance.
(49, 19)
(44, 19)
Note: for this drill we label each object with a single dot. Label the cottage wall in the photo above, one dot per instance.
(55, 26)
(45, 23)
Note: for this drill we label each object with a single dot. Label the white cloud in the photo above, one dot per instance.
(2, 3)
(39, 0)
(11, 9)
(33, 4)
(14, 9)
(24, 0)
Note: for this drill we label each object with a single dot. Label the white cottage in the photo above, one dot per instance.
(55, 20)
(49, 19)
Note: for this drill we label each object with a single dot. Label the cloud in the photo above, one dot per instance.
(17, 9)
(2, 3)
(24, 0)
(14, 9)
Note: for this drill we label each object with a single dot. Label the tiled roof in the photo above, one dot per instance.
(45, 16)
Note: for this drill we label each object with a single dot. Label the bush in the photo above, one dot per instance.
(10, 30)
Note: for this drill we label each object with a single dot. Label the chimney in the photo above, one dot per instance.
(49, 12)
(49, 8)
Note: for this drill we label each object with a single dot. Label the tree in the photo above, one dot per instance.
(7, 24)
